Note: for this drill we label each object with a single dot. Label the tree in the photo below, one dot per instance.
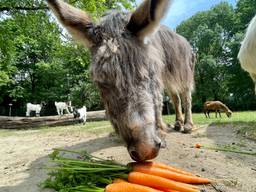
(215, 36)
(39, 61)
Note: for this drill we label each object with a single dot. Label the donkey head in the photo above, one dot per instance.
(125, 69)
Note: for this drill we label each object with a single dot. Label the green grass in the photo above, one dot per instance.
(237, 118)
(247, 121)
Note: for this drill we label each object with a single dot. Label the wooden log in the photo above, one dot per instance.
(30, 122)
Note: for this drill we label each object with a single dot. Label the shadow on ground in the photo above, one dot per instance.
(237, 170)
(36, 174)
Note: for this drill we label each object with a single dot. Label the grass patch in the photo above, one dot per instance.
(237, 118)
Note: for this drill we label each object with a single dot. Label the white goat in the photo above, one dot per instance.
(80, 113)
(247, 53)
(61, 106)
(33, 107)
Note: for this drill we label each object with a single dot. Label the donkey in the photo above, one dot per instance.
(133, 59)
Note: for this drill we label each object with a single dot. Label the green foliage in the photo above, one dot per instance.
(215, 36)
(82, 171)
(39, 61)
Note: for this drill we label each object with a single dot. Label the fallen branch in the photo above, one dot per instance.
(225, 149)
(216, 187)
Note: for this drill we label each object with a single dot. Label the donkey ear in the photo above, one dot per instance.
(146, 18)
(77, 22)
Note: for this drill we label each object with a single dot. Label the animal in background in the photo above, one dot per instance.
(33, 107)
(133, 59)
(216, 106)
(61, 106)
(80, 114)
(247, 52)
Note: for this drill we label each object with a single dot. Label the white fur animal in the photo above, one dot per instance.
(33, 107)
(61, 106)
(80, 113)
(247, 53)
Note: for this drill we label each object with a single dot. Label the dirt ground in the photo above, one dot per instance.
(23, 156)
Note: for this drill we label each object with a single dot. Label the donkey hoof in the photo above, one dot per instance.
(187, 129)
(163, 144)
(177, 126)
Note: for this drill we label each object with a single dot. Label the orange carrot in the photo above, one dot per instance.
(163, 166)
(119, 181)
(191, 186)
(170, 175)
(168, 190)
(128, 187)
(197, 145)
(157, 182)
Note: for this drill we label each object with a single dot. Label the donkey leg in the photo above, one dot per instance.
(159, 120)
(161, 125)
(179, 122)
(187, 100)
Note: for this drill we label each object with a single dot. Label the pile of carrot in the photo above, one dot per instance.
(92, 174)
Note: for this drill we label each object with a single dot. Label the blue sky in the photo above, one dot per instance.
(183, 9)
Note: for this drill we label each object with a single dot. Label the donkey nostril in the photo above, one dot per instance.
(158, 145)
(134, 155)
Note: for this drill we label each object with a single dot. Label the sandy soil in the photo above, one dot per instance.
(22, 156)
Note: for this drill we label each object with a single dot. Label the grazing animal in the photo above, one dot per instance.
(247, 52)
(80, 114)
(34, 107)
(61, 106)
(133, 59)
(216, 106)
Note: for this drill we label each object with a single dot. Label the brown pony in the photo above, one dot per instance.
(216, 106)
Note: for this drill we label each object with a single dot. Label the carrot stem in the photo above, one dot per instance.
(229, 150)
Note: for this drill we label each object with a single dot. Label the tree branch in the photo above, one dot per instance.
(23, 8)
